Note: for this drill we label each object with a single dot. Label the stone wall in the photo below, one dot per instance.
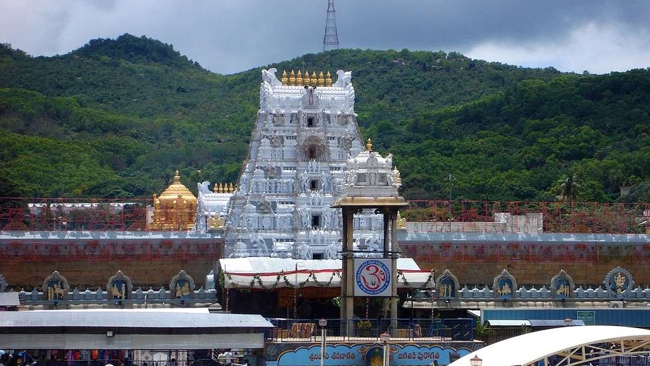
(533, 265)
(90, 274)
(472, 264)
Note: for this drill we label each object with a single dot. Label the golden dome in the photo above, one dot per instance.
(175, 208)
(175, 189)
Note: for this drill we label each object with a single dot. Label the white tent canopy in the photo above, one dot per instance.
(578, 345)
(267, 273)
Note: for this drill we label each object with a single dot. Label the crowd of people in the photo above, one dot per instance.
(102, 358)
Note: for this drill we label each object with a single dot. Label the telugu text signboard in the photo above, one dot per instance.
(587, 316)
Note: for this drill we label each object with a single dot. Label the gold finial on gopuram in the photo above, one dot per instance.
(328, 79)
(299, 81)
(292, 78)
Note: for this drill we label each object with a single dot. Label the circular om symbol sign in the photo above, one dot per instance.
(373, 277)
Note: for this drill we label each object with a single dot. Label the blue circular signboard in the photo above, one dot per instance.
(372, 277)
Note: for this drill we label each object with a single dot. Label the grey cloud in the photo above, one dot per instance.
(462, 23)
(229, 36)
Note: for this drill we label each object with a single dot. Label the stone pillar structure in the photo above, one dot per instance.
(370, 183)
(347, 266)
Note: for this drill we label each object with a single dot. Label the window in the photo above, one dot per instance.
(311, 152)
(313, 184)
(315, 221)
(310, 122)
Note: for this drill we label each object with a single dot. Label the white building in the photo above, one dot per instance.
(306, 130)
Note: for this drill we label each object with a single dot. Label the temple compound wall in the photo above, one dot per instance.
(532, 263)
(87, 263)
(150, 259)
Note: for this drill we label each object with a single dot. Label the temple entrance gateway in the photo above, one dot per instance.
(305, 131)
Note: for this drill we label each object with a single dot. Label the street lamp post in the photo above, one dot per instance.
(323, 343)
(475, 361)
(384, 338)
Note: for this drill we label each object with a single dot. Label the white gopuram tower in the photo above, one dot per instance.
(305, 132)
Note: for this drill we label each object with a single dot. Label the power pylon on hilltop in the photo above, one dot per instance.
(331, 39)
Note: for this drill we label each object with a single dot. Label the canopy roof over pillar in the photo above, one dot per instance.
(371, 181)
(371, 202)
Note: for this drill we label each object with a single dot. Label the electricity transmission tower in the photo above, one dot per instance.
(331, 39)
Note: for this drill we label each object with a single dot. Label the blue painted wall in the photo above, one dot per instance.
(637, 317)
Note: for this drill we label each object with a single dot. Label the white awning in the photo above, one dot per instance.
(269, 273)
(533, 322)
(509, 323)
(131, 329)
(9, 299)
(476, 313)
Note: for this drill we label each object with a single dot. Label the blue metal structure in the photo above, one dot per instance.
(637, 317)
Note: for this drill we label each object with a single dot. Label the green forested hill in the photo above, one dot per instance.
(115, 118)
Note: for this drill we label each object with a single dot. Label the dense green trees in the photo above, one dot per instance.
(115, 118)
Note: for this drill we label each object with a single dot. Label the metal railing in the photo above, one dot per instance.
(301, 330)
(89, 214)
(88, 357)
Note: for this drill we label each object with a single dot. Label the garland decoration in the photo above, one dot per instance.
(282, 277)
(425, 285)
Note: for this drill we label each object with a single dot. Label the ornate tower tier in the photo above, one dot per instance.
(306, 130)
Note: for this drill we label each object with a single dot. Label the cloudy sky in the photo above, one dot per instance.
(229, 36)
